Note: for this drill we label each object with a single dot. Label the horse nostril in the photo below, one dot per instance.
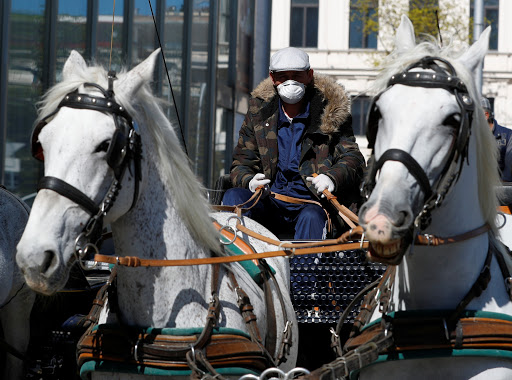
(48, 260)
(401, 218)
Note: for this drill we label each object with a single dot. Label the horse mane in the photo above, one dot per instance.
(487, 153)
(174, 165)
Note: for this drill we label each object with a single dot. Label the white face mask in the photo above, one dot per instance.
(291, 91)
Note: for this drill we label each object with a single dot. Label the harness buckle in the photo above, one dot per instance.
(430, 238)
(136, 350)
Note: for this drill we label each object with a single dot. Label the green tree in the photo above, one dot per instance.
(447, 22)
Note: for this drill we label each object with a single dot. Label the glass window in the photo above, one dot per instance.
(359, 110)
(304, 23)
(110, 31)
(173, 49)
(24, 88)
(364, 24)
(71, 30)
(491, 17)
(197, 128)
(144, 36)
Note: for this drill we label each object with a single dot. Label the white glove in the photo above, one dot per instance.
(258, 180)
(321, 183)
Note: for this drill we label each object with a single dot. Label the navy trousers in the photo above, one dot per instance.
(305, 221)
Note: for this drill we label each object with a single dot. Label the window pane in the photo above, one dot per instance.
(359, 109)
(104, 34)
(356, 31)
(297, 27)
(360, 15)
(491, 18)
(143, 43)
(173, 49)
(24, 88)
(71, 31)
(311, 27)
(371, 38)
(199, 97)
(305, 2)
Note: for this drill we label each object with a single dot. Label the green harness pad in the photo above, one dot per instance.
(439, 353)
(107, 366)
(249, 266)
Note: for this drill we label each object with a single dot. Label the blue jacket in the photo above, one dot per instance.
(289, 136)
(503, 137)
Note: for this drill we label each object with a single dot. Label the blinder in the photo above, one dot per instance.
(120, 143)
(442, 77)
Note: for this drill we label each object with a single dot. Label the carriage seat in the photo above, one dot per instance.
(222, 184)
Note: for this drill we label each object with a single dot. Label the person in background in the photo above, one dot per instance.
(298, 124)
(503, 137)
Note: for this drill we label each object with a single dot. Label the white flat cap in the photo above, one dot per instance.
(289, 59)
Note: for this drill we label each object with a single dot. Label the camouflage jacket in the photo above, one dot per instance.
(328, 143)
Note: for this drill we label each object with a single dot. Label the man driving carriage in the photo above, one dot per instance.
(298, 124)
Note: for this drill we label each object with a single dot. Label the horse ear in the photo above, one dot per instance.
(74, 63)
(140, 74)
(476, 53)
(404, 39)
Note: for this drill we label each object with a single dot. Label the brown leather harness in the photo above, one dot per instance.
(418, 331)
(203, 350)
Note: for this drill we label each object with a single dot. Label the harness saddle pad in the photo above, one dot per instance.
(166, 349)
(413, 331)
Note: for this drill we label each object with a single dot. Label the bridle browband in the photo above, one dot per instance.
(445, 77)
(124, 148)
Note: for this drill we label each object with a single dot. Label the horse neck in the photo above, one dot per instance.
(439, 277)
(153, 229)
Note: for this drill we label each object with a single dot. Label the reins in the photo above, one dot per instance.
(289, 249)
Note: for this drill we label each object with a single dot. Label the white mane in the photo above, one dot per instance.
(173, 164)
(487, 152)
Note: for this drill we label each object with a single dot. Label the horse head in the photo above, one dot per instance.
(419, 127)
(91, 151)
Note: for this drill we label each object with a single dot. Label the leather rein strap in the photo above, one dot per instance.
(290, 249)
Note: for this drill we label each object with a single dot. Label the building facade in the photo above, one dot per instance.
(331, 32)
(209, 48)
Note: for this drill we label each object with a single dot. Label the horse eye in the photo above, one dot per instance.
(452, 120)
(103, 147)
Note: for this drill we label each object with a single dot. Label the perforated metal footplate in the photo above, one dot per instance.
(322, 285)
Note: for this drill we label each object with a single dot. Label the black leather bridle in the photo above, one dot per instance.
(445, 77)
(124, 148)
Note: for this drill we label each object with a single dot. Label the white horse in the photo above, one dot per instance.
(434, 173)
(160, 211)
(16, 299)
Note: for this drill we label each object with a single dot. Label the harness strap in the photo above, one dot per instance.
(424, 333)
(286, 342)
(70, 192)
(107, 343)
(246, 310)
(427, 239)
(478, 287)
(504, 269)
(300, 201)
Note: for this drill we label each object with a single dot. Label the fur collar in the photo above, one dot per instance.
(333, 96)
